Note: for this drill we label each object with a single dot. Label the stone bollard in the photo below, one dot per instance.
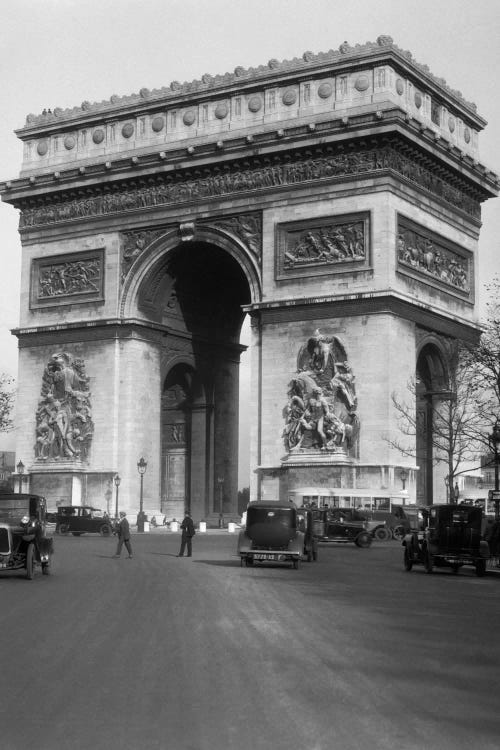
(203, 527)
(231, 527)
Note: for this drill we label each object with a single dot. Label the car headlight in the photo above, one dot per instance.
(25, 520)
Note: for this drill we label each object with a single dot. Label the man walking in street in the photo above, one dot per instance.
(123, 532)
(187, 527)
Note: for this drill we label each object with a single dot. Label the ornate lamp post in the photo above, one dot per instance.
(142, 465)
(220, 482)
(495, 444)
(117, 480)
(447, 483)
(20, 471)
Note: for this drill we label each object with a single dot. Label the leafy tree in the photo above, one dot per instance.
(6, 402)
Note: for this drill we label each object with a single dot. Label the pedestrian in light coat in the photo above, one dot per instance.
(188, 532)
(123, 532)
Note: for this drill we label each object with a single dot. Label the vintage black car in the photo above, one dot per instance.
(24, 544)
(272, 534)
(340, 525)
(447, 536)
(78, 520)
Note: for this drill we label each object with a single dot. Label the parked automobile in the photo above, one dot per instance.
(341, 525)
(24, 544)
(272, 534)
(447, 536)
(82, 519)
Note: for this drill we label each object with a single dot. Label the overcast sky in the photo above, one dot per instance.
(58, 53)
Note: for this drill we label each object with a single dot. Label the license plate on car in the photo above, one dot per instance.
(265, 556)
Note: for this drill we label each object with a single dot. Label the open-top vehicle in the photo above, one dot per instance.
(340, 525)
(272, 534)
(447, 536)
(24, 544)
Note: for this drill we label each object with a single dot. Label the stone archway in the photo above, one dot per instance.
(195, 291)
(432, 382)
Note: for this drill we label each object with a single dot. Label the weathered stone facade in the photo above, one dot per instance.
(335, 199)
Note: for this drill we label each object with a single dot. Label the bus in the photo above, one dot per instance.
(343, 497)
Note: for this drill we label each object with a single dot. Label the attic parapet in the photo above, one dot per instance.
(368, 78)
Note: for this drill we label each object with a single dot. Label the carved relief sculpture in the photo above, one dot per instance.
(306, 246)
(237, 180)
(64, 425)
(72, 277)
(321, 410)
(424, 253)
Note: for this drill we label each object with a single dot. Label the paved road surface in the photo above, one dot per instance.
(159, 652)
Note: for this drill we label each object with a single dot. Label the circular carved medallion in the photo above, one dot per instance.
(157, 124)
(325, 90)
(362, 83)
(69, 142)
(400, 87)
(221, 111)
(98, 136)
(254, 103)
(127, 130)
(189, 117)
(289, 97)
(418, 99)
(467, 135)
(42, 148)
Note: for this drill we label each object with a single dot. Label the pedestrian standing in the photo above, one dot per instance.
(188, 532)
(123, 531)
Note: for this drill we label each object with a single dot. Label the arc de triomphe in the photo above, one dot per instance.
(334, 198)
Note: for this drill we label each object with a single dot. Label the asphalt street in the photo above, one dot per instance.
(347, 653)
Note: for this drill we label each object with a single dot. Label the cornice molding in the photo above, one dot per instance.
(384, 302)
(362, 159)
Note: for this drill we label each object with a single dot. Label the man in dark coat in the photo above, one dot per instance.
(187, 527)
(123, 532)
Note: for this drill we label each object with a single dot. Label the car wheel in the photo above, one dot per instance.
(46, 569)
(480, 568)
(64, 528)
(398, 533)
(428, 564)
(30, 562)
(296, 563)
(382, 534)
(249, 562)
(363, 540)
(455, 569)
(105, 530)
(408, 562)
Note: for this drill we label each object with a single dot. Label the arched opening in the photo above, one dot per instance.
(431, 381)
(197, 293)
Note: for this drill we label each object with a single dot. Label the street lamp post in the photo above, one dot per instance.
(20, 471)
(495, 444)
(117, 480)
(142, 465)
(220, 482)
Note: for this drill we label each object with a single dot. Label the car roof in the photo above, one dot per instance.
(277, 504)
